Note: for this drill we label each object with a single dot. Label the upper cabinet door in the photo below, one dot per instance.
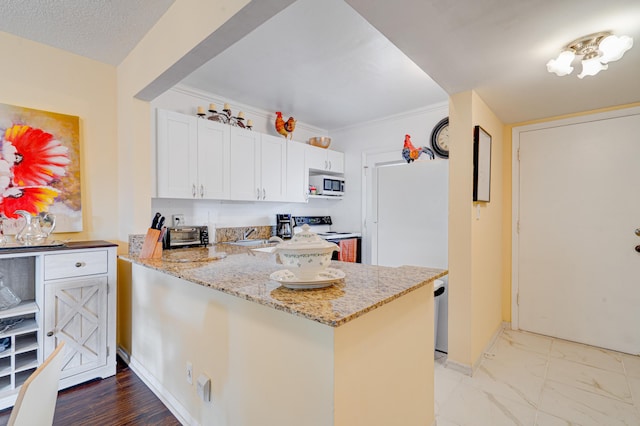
(245, 165)
(297, 173)
(325, 160)
(335, 161)
(177, 155)
(273, 168)
(316, 158)
(214, 156)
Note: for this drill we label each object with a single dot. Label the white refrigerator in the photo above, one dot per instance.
(412, 222)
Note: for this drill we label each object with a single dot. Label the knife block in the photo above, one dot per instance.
(152, 246)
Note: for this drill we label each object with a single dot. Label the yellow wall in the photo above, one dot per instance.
(41, 77)
(476, 252)
(179, 30)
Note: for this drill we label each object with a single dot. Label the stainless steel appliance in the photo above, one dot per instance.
(186, 236)
(350, 243)
(327, 185)
(283, 226)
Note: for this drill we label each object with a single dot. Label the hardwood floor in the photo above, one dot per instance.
(120, 400)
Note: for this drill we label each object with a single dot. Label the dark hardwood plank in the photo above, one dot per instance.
(119, 400)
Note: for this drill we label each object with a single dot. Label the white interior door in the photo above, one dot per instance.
(578, 273)
(412, 214)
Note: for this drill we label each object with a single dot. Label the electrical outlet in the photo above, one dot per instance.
(178, 219)
(189, 373)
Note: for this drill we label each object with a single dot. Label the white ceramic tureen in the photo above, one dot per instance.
(306, 254)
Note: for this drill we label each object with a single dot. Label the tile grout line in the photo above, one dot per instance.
(544, 381)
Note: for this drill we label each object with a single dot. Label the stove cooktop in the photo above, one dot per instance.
(322, 225)
(339, 235)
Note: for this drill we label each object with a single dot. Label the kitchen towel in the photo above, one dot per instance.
(348, 249)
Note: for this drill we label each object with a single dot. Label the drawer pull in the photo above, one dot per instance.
(80, 264)
(49, 334)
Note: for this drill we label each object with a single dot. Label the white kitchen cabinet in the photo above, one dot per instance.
(79, 309)
(273, 168)
(297, 173)
(75, 313)
(177, 154)
(192, 157)
(68, 294)
(214, 153)
(325, 160)
(257, 166)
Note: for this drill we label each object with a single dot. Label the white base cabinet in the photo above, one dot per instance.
(68, 294)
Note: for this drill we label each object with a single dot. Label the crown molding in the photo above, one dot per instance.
(248, 109)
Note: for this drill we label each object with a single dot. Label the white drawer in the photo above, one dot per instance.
(77, 264)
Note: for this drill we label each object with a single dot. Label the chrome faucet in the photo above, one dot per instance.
(249, 232)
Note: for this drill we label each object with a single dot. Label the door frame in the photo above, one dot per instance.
(371, 160)
(515, 186)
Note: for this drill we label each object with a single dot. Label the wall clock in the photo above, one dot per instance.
(440, 138)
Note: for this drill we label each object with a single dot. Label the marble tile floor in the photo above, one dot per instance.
(530, 379)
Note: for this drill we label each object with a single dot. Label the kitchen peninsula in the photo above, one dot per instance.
(359, 352)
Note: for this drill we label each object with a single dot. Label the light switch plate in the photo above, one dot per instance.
(178, 220)
(204, 388)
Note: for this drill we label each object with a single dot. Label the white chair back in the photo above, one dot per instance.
(37, 398)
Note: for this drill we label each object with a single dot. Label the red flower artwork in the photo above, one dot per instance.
(37, 158)
(31, 161)
(34, 199)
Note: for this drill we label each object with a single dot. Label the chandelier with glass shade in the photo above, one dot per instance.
(597, 50)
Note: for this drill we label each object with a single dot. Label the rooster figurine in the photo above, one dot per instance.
(285, 128)
(411, 153)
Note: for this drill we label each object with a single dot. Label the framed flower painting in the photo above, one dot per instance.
(39, 167)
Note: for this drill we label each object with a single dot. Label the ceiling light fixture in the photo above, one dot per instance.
(597, 50)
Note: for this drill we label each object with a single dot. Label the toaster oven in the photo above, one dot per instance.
(186, 236)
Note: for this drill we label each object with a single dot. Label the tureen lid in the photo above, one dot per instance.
(307, 239)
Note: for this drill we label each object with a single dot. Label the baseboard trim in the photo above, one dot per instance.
(123, 354)
(177, 409)
(469, 370)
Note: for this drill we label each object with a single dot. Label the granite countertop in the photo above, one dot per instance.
(245, 273)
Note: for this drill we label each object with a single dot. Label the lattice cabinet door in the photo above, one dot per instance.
(75, 312)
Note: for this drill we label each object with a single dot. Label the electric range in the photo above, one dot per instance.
(321, 225)
(350, 243)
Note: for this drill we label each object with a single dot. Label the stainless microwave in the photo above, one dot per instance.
(327, 185)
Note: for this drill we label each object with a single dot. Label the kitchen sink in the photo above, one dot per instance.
(249, 243)
(264, 249)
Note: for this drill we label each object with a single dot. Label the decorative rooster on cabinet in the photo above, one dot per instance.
(285, 128)
(411, 153)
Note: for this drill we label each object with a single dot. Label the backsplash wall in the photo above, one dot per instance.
(229, 214)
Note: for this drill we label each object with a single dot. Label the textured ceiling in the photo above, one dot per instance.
(500, 48)
(104, 30)
(324, 62)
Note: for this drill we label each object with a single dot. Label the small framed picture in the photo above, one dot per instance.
(481, 164)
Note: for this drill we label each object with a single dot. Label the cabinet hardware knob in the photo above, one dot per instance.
(79, 264)
(193, 190)
(638, 249)
(201, 191)
(326, 164)
(257, 193)
(638, 232)
(49, 334)
(264, 194)
(329, 164)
